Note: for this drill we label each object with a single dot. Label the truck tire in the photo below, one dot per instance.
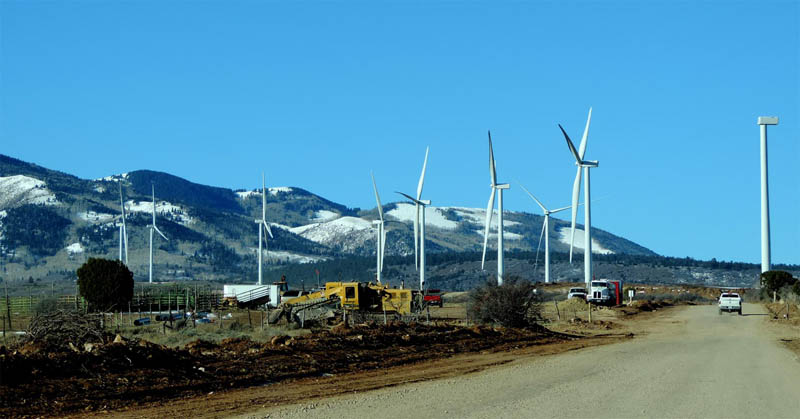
(740, 311)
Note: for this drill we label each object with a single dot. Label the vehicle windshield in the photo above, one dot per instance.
(574, 290)
(730, 295)
(600, 284)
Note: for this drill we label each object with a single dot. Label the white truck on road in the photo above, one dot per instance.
(730, 301)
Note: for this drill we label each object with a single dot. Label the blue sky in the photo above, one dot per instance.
(317, 94)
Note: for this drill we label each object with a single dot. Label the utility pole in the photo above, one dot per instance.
(763, 121)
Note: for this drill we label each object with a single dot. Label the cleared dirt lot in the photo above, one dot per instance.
(692, 363)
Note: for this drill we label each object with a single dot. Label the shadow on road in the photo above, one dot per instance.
(755, 314)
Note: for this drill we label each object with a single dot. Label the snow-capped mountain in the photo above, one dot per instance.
(51, 222)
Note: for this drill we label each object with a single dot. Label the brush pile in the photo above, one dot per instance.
(62, 330)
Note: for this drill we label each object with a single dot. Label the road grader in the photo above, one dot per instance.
(359, 299)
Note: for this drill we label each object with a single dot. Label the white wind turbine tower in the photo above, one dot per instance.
(381, 238)
(576, 189)
(123, 231)
(545, 233)
(496, 187)
(263, 227)
(419, 227)
(153, 228)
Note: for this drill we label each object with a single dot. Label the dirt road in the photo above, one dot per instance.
(692, 363)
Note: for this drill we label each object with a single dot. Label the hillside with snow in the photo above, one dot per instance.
(50, 222)
(21, 190)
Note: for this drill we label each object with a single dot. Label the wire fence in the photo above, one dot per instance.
(17, 311)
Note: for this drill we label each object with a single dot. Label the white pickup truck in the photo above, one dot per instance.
(730, 301)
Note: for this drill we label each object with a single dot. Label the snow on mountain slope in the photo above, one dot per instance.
(95, 217)
(257, 192)
(75, 248)
(346, 233)
(433, 216)
(507, 235)
(275, 190)
(163, 209)
(596, 247)
(113, 178)
(20, 190)
(247, 194)
(478, 216)
(289, 257)
(324, 215)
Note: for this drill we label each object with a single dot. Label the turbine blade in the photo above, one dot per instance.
(576, 190)
(422, 176)
(536, 263)
(563, 208)
(571, 146)
(377, 197)
(411, 199)
(383, 245)
(489, 210)
(267, 229)
(160, 233)
(154, 205)
(263, 198)
(492, 170)
(121, 201)
(582, 148)
(534, 198)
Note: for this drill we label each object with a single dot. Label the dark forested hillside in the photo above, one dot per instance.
(174, 189)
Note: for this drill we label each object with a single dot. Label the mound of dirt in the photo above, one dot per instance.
(116, 375)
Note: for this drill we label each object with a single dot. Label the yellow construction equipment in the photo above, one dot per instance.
(351, 297)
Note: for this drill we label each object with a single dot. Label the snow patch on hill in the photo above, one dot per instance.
(478, 216)
(247, 194)
(507, 235)
(433, 216)
(346, 233)
(288, 257)
(20, 190)
(257, 192)
(324, 215)
(579, 243)
(164, 209)
(74, 248)
(112, 178)
(95, 217)
(276, 190)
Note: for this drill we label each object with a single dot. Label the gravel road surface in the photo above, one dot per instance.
(691, 363)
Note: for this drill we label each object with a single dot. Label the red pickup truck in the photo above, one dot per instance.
(433, 298)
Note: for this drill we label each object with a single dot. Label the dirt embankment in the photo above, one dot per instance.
(129, 373)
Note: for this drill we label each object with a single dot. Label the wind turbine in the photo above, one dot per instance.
(496, 188)
(419, 227)
(576, 190)
(123, 231)
(381, 239)
(545, 233)
(262, 223)
(153, 228)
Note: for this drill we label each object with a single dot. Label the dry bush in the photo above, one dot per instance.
(513, 304)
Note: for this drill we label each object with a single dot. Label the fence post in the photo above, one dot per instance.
(8, 310)
(558, 313)
(590, 312)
